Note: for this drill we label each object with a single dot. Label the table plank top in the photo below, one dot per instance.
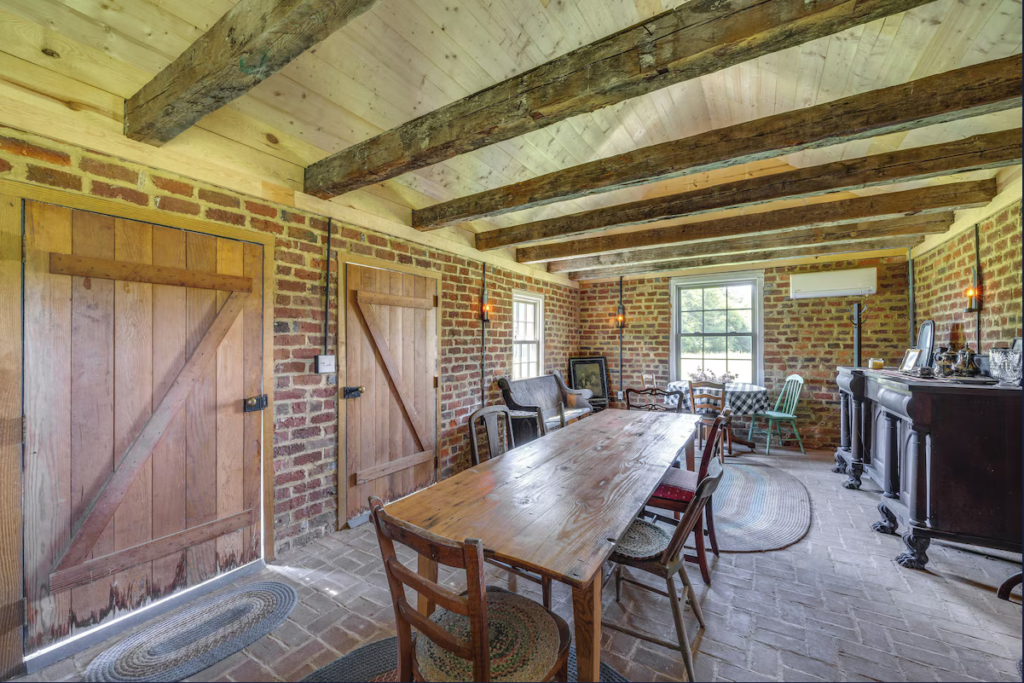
(558, 504)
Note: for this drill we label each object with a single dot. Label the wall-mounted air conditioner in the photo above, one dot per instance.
(858, 282)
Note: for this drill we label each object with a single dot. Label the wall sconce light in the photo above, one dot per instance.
(485, 301)
(620, 316)
(973, 294)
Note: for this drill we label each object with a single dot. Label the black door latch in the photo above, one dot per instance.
(254, 404)
(353, 392)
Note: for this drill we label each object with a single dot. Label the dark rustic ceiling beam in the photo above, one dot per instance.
(698, 38)
(963, 93)
(750, 257)
(252, 41)
(927, 224)
(992, 150)
(937, 198)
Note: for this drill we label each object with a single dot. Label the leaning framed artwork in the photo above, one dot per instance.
(590, 372)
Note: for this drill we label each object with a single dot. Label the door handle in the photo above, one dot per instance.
(353, 392)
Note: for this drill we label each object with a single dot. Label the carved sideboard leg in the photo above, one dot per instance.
(915, 557)
(855, 470)
(840, 467)
(888, 524)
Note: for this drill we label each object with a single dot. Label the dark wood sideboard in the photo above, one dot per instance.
(946, 456)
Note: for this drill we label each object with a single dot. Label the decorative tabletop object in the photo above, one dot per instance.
(702, 375)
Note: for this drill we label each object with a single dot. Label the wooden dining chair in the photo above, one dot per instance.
(704, 401)
(678, 486)
(653, 399)
(489, 418)
(784, 413)
(649, 548)
(486, 633)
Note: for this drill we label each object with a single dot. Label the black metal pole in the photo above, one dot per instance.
(622, 331)
(327, 290)
(856, 335)
(913, 301)
(977, 286)
(483, 339)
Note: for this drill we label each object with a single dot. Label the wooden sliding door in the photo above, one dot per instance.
(390, 349)
(141, 467)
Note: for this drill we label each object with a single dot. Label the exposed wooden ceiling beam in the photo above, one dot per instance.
(749, 257)
(970, 91)
(698, 38)
(937, 198)
(928, 224)
(975, 153)
(252, 41)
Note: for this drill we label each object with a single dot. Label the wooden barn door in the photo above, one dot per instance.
(142, 470)
(390, 351)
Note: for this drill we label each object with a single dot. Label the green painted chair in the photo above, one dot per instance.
(785, 412)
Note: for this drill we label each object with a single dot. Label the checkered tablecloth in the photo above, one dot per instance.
(744, 399)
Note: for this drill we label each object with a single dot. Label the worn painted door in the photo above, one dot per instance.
(391, 351)
(125, 375)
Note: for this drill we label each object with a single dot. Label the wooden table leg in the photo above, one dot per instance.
(427, 568)
(690, 457)
(586, 616)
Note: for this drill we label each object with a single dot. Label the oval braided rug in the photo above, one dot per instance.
(377, 662)
(758, 508)
(198, 637)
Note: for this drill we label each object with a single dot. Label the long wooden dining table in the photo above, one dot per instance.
(557, 505)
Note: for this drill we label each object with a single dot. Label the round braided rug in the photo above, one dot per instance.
(377, 662)
(758, 508)
(198, 637)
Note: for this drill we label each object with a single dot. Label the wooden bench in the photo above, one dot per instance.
(541, 404)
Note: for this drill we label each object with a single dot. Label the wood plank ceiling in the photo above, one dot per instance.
(403, 58)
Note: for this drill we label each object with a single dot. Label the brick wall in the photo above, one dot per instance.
(809, 337)
(305, 435)
(942, 274)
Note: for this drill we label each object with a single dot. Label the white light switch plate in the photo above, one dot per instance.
(325, 364)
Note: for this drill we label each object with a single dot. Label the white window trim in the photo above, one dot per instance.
(756, 276)
(534, 298)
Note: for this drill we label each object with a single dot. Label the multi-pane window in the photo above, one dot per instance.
(716, 328)
(527, 335)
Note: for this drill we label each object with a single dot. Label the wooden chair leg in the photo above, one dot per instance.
(618, 583)
(545, 589)
(563, 673)
(404, 652)
(711, 529)
(694, 605)
(702, 556)
(684, 641)
(728, 438)
(512, 582)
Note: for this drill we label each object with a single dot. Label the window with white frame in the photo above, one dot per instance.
(717, 326)
(527, 335)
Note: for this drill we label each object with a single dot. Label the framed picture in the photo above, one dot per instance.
(590, 373)
(910, 360)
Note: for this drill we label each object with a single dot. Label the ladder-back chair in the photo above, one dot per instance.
(653, 399)
(469, 636)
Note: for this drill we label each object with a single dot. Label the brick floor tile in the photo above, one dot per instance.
(251, 670)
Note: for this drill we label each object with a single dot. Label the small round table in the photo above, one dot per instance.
(743, 399)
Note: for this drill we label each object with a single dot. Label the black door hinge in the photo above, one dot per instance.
(352, 392)
(255, 404)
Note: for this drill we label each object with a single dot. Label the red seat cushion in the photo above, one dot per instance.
(677, 484)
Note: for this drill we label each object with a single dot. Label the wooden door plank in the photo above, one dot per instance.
(92, 396)
(426, 394)
(171, 545)
(47, 397)
(102, 509)
(679, 45)
(252, 379)
(169, 327)
(409, 342)
(423, 437)
(393, 466)
(383, 398)
(133, 403)
(201, 413)
(355, 409)
(395, 486)
(109, 269)
(230, 423)
(341, 353)
(400, 299)
(12, 605)
(964, 93)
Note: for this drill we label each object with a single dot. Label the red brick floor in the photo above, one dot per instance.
(834, 606)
